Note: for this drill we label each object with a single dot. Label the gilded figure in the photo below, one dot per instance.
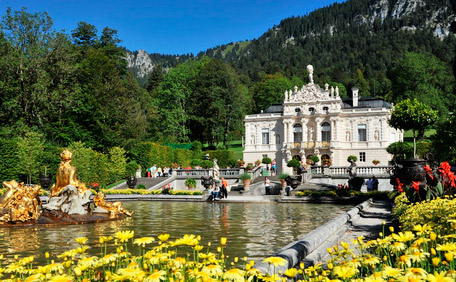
(112, 207)
(66, 175)
(19, 202)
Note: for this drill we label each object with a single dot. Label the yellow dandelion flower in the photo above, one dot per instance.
(189, 240)
(416, 272)
(403, 237)
(234, 274)
(420, 229)
(61, 278)
(371, 260)
(344, 271)
(447, 247)
(104, 239)
(81, 240)
(198, 247)
(163, 237)
(292, 272)
(123, 236)
(449, 256)
(397, 246)
(439, 277)
(35, 278)
(418, 256)
(276, 261)
(389, 271)
(213, 269)
(143, 241)
(404, 261)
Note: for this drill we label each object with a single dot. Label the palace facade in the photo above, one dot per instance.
(316, 121)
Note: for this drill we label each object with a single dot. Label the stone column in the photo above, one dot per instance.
(304, 130)
(318, 130)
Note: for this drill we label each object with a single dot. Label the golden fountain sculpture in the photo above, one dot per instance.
(19, 202)
(112, 207)
(66, 175)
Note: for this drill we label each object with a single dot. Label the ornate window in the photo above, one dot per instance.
(362, 136)
(265, 136)
(297, 133)
(362, 157)
(326, 132)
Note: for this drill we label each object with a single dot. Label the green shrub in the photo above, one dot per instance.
(245, 176)
(283, 175)
(131, 169)
(195, 162)
(140, 186)
(266, 160)
(314, 159)
(224, 157)
(293, 163)
(422, 148)
(207, 164)
(352, 158)
(182, 157)
(397, 148)
(190, 183)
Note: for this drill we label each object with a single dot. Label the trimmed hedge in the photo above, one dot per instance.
(224, 157)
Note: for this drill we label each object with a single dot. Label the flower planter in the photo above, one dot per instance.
(246, 184)
(131, 182)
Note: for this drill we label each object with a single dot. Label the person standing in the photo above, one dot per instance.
(224, 189)
(370, 185)
(154, 170)
(375, 183)
(267, 186)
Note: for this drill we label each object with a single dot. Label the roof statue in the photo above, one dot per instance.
(310, 69)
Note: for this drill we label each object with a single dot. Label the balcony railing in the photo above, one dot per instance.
(360, 170)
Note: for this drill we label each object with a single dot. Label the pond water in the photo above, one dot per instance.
(253, 229)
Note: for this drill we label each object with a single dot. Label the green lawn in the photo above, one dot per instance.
(236, 148)
(427, 133)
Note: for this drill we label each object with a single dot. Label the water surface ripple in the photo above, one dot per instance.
(253, 229)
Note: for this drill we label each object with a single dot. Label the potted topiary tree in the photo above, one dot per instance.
(267, 161)
(314, 159)
(190, 183)
(416, 116)
(352, 158)
(294, 163)
(245, 177)
(412, 115)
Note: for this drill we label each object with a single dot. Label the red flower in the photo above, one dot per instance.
(399, 185)
(415, 185)
(448, 175)
(429, 171)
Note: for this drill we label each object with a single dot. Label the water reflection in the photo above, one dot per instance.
(252, 229)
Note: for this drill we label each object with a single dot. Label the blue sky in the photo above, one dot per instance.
(171, 27)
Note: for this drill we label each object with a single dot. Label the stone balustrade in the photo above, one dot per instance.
(343, 170)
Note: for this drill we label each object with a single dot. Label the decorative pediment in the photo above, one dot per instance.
(311, 93)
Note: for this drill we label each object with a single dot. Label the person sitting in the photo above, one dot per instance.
(216, 192)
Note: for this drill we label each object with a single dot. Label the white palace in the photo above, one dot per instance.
(316, 121)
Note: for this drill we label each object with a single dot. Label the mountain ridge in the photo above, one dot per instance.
(392, 19)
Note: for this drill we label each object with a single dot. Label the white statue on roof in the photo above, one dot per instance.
(310, 69)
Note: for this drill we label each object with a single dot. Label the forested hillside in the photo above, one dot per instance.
(355, 43)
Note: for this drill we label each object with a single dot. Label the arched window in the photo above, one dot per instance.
(326, 132)
(297, 133)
